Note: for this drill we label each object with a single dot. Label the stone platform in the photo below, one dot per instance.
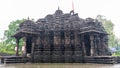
(13, 59)
(61, 59)
(76, 59)
(102, 59)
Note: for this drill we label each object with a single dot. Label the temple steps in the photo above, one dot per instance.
(102, 59)
(61, 59)
(13, 59)
(76, 59)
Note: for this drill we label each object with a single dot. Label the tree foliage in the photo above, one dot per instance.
(8, 42)
(11, 31)
(109, 26)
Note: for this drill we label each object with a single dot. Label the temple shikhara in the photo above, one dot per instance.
(62, 37)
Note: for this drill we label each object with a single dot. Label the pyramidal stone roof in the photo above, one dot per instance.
(62, 21)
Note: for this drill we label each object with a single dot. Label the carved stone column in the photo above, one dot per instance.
(41, 43)
(98, 45)
(51, 41)
(95, 49)
(32, 50)
(33, 45)
(92, 45)
(72, 41)
(101, 52)
(62, 42)
(83, 46)
(84, 49)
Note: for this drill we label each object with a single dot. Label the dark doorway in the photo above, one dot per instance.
(28, 44)
(87, 44)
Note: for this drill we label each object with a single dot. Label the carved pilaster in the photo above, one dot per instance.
(83, 46)
(98, 45)
(101, 46)
(84, 49)
(92, 45)
(51, 41)
(72, 41)
(33, 45)
(32, 49)
(42, 39)
(62, 42)
(76, 38)
(40, 42)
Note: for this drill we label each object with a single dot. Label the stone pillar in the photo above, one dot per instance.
(43, 39)
(62, 42)
(83, 45)
(55, 39)
(98, 46)
(41, 43)
(33, 45)
(101, 46)
(76, 39)
(84, 49)
(95, 45)
(78, 47)
(17, 47)
(32, 49)
(73, 42)
(92, 45)
(51, 41)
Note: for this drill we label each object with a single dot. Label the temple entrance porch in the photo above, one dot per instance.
(91, 43)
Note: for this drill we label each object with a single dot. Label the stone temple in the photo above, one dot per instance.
(62, 37)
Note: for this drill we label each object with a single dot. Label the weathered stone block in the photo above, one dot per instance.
(68, 59)
(57, 58)
(46, 52)
(77, 58)
(57, 48)
(56, 52)
(78, 53)
(47, 58)
(68, 53)
(38, 58)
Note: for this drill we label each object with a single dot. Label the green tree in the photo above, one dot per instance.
(108, 25)
(8, 42)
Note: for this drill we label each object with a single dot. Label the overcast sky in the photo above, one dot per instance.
(11, 10)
